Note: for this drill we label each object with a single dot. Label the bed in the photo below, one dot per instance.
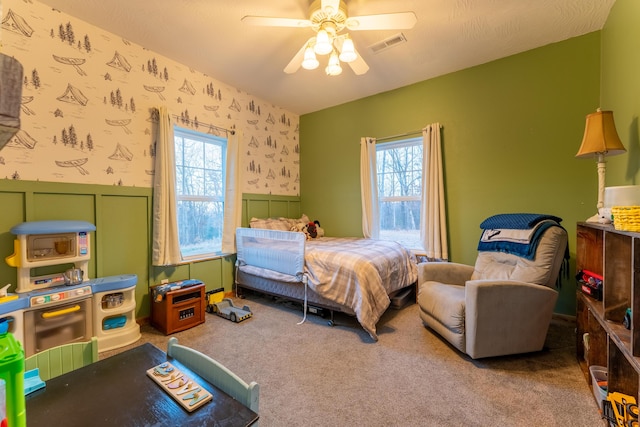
(351, 275)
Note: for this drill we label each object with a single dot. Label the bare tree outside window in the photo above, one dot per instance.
(200, 175)
(399, 169)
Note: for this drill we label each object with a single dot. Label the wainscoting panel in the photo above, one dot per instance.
(269, 206)
(122, 242)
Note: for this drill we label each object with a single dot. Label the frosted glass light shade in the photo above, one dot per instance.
(323, 43)
(334, 68)
(348, 53)
(309, 62)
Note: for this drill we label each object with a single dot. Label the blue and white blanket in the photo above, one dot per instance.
(516, 221)
(517, 234)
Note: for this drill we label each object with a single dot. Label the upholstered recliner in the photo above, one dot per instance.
(501, 306)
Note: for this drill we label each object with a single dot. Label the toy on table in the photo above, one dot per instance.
(32, 381)
(183, 389)
(12, 373)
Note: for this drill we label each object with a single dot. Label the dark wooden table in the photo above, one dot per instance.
(116, 392)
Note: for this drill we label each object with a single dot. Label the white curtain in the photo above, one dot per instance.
(369, 189)
(433, 222)
(233, 195)
(166, 247)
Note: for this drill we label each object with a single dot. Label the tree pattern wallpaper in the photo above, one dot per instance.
(89, 99)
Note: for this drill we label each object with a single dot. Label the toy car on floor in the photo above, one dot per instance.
(226, 309)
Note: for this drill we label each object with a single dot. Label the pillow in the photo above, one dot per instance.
(269, 224)
(282, 223)
(292, 222)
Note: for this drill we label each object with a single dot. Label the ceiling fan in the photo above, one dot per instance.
(328, 18)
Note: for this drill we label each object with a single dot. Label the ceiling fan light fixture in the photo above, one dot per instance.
(334, 68)
(323, 43)
(310, 61)
(328, 19)
(348, 53)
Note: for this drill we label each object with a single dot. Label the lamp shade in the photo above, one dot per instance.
(600, 136)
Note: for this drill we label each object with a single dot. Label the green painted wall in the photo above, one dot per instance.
(511, 129)
(620, 87)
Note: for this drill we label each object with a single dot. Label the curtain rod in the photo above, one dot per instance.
(413, 132)
(197, 123)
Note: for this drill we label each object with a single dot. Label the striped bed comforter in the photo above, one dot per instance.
(357, 273)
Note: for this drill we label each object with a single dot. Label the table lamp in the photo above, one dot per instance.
(600, 139)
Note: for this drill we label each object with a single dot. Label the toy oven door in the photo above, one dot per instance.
(51, 326)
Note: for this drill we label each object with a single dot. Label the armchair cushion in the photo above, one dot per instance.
(445, 316)
(444, 272)
(446, 304)
(543, 270)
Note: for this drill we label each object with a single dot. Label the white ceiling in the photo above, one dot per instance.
(450, 35)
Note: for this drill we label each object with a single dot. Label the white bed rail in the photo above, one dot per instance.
(281, 251)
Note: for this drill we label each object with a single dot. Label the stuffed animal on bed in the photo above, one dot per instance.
(319, 230)
(299, 227)
(311, 229)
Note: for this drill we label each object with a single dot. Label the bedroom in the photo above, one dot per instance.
(554, 87)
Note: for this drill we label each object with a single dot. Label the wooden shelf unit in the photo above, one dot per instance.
(616, 256)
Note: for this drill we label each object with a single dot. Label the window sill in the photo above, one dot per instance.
(202, 258)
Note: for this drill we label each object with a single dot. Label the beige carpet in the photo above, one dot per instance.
(316, 375)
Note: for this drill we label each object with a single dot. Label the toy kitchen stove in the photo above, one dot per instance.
(59, 304)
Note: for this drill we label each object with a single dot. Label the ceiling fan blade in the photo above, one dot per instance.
(266, 21)
(330, 7)
(358, 66)
(385, 21)
(296, 61)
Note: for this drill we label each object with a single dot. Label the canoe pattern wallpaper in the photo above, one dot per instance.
(89, 100)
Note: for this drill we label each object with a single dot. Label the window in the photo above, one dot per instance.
(399, 168)
(200, 189)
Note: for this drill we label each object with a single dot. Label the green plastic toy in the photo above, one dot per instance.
(12, 372)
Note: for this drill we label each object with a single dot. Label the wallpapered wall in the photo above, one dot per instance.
(87, 108)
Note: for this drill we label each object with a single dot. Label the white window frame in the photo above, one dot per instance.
(413, 198)
(181, 195)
